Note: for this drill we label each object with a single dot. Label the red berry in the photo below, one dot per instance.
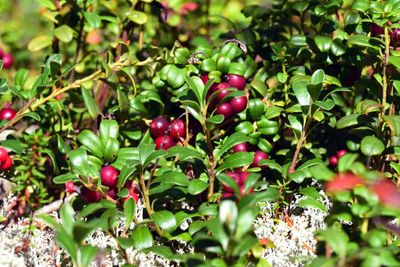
(158, 126)
(237, 81)
(225, 109)
(235, 177)
(7, 114)
(376, 30)
(167, 142)
(91, 196)
(112, 192)
(239, 103)
(340, 153)
(258, 156)
(8, 60)
(1, 53)
(242, 147)
(3, 155)
(70, 187)
(109, 176)
(7, 164)
(204, 78)
(333, 160)
(242, 192)
(227, 195)
(178, 129)
(243, 177)
(222, 93)
(395, 36)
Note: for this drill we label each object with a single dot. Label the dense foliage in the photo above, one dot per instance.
(199, 111)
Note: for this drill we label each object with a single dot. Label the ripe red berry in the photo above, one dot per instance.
(395, 36)
(258, 156)
(242, 147)
(237, 81)
(112, 192)
(243, 177)
(340, 153)
(220, 87)
(109, 176)
(376, 30)
(222, 93)
(1, 53)
(7, 114)
(167, 142)
(225, 109)
(70, 187)
(226, 195)
(91, 196)
(333, 161)
(158, 126)
(239, 103)
(204, 78)
(3, 155)
(178, 129)
(235, 177)
(7, 164)
(8, 60)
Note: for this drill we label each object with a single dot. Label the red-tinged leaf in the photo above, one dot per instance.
(387, 192)
(344, 181)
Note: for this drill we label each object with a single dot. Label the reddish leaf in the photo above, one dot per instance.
(387, 192)
(188, 7)
(344, 181)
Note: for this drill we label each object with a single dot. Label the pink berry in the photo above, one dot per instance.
(204, 78)
(165, 141)
(340, 153)
(235, 177)
(7, 114)
(8, 60)
(237, 81)
(158, 126)
(91, 196)
(239, 103)
(258, 156)
(225, 109)
(333, 161)
(178, 129)
(6, 164)
(70, 187)
(242, 147)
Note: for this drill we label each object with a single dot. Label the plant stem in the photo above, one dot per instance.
(298, 148)
(385, 64)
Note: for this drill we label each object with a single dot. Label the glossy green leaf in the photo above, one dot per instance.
(142, 237)
(165, 220)
(64, 33)
(372, 146)
(197, 186)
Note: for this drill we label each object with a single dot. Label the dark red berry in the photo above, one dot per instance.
(340, 153)
(237, 81)
(204, 78)
(351, 75)
(235, 177)
(239, 103)
(395, 36)
(158, 126)
(112, 192)
(178, 129)
(70, 187)
(220, 87)
(243, 177)
(8, 60)
(91, 196)
(333, 161)
(222, 93)
(258, 156)
(226, 195)
(3, 155)
(7, 164)
(242, 147)
(1, 53)
(225, 109)
(167, 142)
(109, 176)
(7, 114)
(376, 30)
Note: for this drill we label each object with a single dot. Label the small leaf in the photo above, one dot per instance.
(165, 220)
(64, 33)
(372, 146)
(33, 115)
(39, 43)
(129, 211)
(236, 160)
(90, 103)
(232, 140)
(137, 17)
(196, 186)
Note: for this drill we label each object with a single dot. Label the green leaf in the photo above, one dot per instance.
(39, 43)
(346, 162)
(184, 153)
(245, 222)
(165, 220)
(63, 178)
(137, 16)
(361, 40)
(323, 43)
(67, 217)
(33, 115)
(177, 178)
(259, 86)
(372, 146)
(216, 119)
(196, 186)
(236, 160)
(64, 33)
(142, 237)
(227, 180)
(107, 129)
(90, 103)
(129, 211)
(91, 142)
(321, 173)
(87, 255)
(111, 148)
(353, 119)
(82, 229)
(197, 86)
(145, 150)
(336, 239)
(301, 93)
(232, 140)
(313, 203)
(393, 122)
(68, 244)
(79, 162)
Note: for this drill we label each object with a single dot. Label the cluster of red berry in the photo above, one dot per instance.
(333, 160)
(109, 178)
(7, 59)
(231, 82)
(166, 133)
(5, 160)
(240, 176)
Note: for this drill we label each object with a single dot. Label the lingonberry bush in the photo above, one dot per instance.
(179, 124)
